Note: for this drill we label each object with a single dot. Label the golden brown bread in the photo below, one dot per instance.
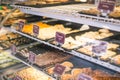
(67, 64)
(108, 55)
(86, 50)
(116, 59)
(77, 71)
(32, 74)
(112, 46)
(66, 77)
(104, 31)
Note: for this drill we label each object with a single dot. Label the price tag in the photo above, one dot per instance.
(21, 25)
(60, 38)
(106, 6)
(13, 49)
(100, 49)
(17, 78)
(84, 77)
(36, 30)
(59, 69)
(31, 57)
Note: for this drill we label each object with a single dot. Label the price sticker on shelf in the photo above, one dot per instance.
(84, 77)
(13, 49)
(100, 48)
(60, 38)
(106, 6)
(32, 57)
(59, 69)
(17, 78)
(36, 30)
(21, 25)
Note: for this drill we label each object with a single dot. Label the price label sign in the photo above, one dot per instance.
(13, 49)
(36, 30)
(31, 57)
(84, 77)
(106, 6)
(60, 38)
(17, 78)
(21, 25)
(59, 69)
(100, 49)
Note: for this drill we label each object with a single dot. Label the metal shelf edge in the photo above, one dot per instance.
(99, 62)
(73, 17)
(32, 67)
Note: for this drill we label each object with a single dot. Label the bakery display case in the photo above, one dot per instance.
(15, 16)
(73, 14)
(79, 42)
(23, 73)
(8, 38)
(83, 28)
(48, 57)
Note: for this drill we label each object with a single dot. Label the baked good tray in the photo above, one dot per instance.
(16, 41)
(74, 65)
(45, 55)
(91, 30)
(66, 25)
(29, 19)
(39, 5)
(112, 48)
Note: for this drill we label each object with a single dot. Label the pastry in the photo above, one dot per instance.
(50, 71)
(86, 50)
(49, 58)
(112, 46)
(66, 77)
(108, 55)
(31, 74)
(75, 72)
(68, 65)
(3, 38)
(84, 27)
(116, 59)
(70, 43)
(91, 11)
(103, 30)
(101, 75)
(115, 13)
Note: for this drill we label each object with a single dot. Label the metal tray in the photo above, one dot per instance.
(52, 4)
(80, 63)
(65, 23)
(16, 41)
(113, 39)
(38, 49)
(82, 32)
(12, 71)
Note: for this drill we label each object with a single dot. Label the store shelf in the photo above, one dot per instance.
(70, 13)
(36, 39)
(15, 65)
(14, 69)
(32, 66)
(80, 55)
(25, 61)
(97, 61)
